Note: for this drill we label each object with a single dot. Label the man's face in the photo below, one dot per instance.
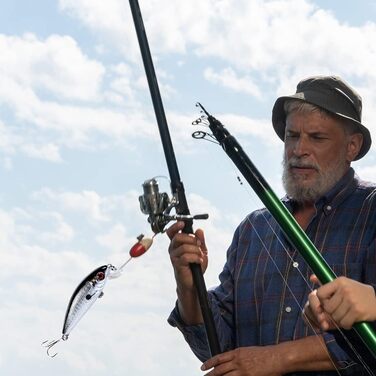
(316, 155)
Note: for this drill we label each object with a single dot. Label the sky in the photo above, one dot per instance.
(78, 137)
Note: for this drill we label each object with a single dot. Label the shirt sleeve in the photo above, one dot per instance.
(350, 342)
(342, 360)
(195, 335)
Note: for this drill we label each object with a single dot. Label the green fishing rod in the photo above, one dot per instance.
(297, 237)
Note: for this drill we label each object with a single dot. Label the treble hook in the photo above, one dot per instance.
(49, 345)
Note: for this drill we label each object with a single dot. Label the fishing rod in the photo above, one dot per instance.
(158, 205)
(297, 237)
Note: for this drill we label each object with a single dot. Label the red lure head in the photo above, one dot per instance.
(100, 276)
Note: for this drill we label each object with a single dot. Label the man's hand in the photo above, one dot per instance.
(348, 301)
(315, 315)
(184, 250)
(245, 361)
(305, 354)
(341, 302)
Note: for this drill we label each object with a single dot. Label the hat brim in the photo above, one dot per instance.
(279, 117)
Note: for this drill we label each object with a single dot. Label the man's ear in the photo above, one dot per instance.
(354, 145)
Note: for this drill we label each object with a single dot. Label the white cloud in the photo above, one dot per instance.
(264, 41)
(12, 142)
(7, 139)
(62, 231)
(74, 124)
(56, 64)
(114, 239)
(228, 78)
(48, 152)
(115, 219)
(123, 82)
(77, 124)
(8, 232)
(113, 21)
(259, 129)
(86, 202)
(274, 51)
(282, 41)
(53, 90)
(367, 173)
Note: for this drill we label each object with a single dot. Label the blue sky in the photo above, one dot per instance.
(78, 138)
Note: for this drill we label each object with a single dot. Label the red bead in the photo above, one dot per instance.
(137, 250)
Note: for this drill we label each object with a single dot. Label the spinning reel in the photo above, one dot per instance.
(159, 205)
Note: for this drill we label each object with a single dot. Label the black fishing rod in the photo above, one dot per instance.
(150, 187)
(297, 237)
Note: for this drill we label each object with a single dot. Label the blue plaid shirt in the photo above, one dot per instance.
(253, 306)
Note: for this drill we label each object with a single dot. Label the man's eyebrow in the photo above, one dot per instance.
(311, 133)
(318, 133)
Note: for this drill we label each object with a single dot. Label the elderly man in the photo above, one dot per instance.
(257, 306)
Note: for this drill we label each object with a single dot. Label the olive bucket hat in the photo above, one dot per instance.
(333, 95)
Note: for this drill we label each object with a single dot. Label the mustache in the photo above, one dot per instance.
(295, 162)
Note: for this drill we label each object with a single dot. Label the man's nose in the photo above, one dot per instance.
(301, 147)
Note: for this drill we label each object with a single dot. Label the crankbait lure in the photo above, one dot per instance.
(91, 289)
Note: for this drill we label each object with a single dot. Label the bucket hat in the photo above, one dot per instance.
(332, 94)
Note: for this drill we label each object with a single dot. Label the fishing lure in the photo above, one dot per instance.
(91, 289)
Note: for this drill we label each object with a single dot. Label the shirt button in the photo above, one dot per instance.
(329, 208)
(295, 264)
(288, 309)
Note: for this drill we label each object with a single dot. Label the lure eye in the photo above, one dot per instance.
(100, 276)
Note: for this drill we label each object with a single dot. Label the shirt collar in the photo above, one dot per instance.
(335, 196)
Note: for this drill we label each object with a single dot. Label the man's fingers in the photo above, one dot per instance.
(326, 291)
(332, 304)
(312, 309)
(314, 302)
(174, 229)
(217, 360)
(347, 321)
(182, 239)
(201, 237)
(188, 254)
(341, 311)
(313, 278)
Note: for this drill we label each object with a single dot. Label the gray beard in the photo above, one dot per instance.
(322, 184)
